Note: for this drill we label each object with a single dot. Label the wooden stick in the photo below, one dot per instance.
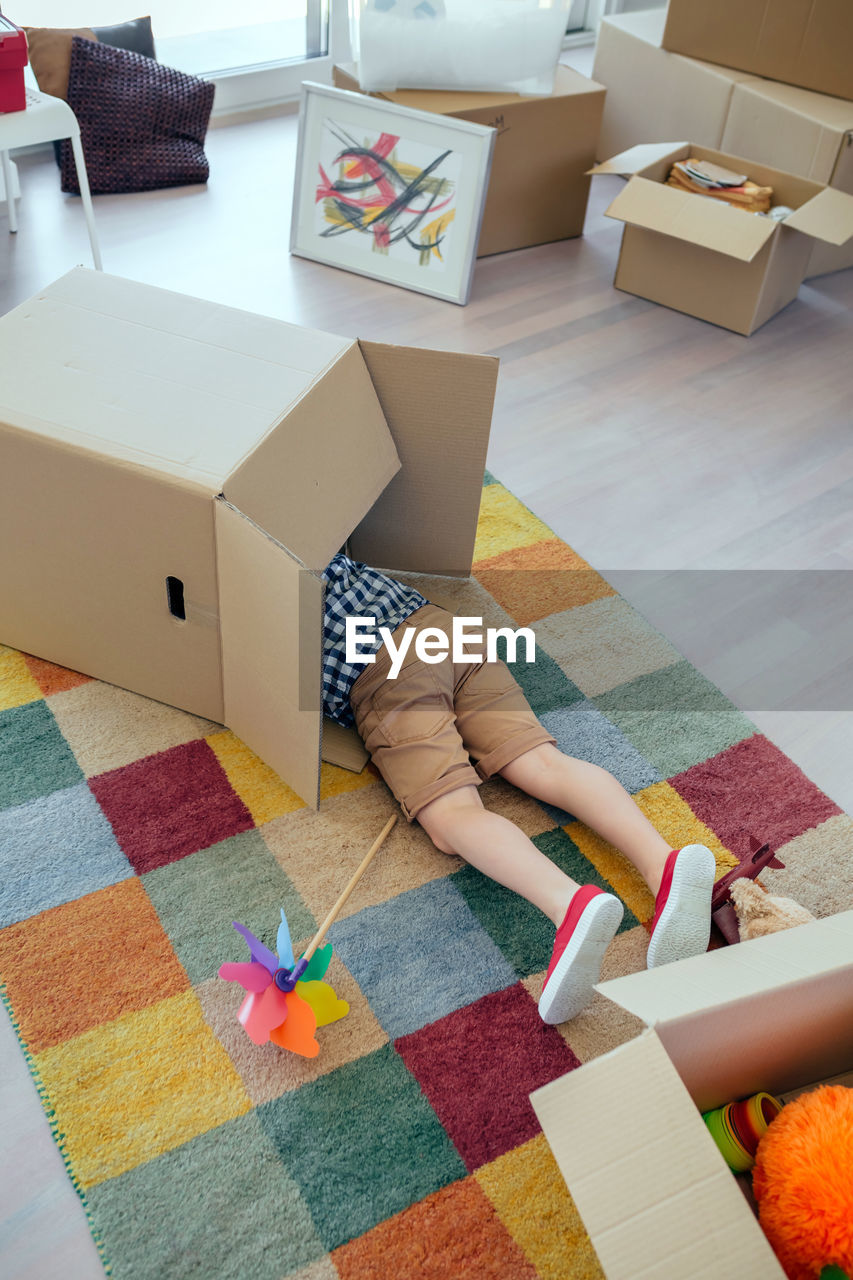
(330, 918)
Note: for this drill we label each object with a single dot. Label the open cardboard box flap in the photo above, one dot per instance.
(626, 1128)
(271, 625)
(828, 216)
(645, 1172)
(313, 478)
(640, 157)
(731, 973)
(699, 220)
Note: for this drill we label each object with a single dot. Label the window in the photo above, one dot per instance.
(255, 50)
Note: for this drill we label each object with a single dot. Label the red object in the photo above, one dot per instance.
(577, 906)
(13, 59)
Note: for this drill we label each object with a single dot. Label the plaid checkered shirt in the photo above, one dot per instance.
(355, 591)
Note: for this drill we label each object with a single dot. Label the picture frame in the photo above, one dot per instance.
(388, 192)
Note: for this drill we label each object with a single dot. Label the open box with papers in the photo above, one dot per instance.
(701, 256)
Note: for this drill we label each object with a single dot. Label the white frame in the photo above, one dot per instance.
(472, 144)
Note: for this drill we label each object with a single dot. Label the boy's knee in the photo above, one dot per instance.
(441, 817)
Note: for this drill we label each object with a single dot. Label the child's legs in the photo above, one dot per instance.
(458, 823)
(597, 799)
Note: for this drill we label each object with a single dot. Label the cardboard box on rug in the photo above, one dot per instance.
(652, 93)
(538, 184)
(802, 42)
(774, 1014)
(177, 474)
(703, 257)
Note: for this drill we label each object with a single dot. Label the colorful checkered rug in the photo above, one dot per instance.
(132, 834)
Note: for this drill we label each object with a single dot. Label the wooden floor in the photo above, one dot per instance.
(710, 476)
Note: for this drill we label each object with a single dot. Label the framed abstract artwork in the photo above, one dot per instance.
(388, 192)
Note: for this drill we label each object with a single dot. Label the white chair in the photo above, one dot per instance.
(46, 119)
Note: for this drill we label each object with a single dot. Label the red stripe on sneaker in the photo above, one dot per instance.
(665, 886)
(577, 906)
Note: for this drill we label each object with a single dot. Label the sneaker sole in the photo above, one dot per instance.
(684, 927)
(570, 987)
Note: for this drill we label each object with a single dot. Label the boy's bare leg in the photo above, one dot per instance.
(599, 800)
(458, 823)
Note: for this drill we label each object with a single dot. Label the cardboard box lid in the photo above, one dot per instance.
(644, 154)
(645, 1173)
(154, 378)
(319, 470)
(701, 221)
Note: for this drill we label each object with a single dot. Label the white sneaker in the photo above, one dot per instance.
(682, 920)
(582, 939)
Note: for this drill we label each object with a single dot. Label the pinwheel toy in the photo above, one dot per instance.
(286, 999)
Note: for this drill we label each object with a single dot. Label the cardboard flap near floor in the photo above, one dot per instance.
(271, 618)
(640, 157)
(697, 219)
(438, 405)
(319, 471)
(342, 746)
(643, 1171)
(828, 216)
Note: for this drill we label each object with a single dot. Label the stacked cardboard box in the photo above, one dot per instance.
(654, 95)
(802, 42)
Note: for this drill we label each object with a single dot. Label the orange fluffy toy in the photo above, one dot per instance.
(803, 1182)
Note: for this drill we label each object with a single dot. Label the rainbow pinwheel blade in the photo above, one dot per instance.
(257, 950)
(260, 1014)
(318, 964)
(323, 1000)
(251, 975)
(283, 944)
(297, 1033)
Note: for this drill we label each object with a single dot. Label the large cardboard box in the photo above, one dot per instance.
(703, 257)
(802, 42)
(175, 475)
(538, 184)
(655, 1195)
(653, 94)
(803, 132)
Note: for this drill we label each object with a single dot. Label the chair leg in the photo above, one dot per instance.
(10, 199)
(85, 196)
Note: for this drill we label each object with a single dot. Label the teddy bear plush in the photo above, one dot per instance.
(759, 912)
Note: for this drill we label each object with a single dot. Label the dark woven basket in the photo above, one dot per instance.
(142, 125)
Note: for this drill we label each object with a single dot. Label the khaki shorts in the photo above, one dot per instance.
(424, 729)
